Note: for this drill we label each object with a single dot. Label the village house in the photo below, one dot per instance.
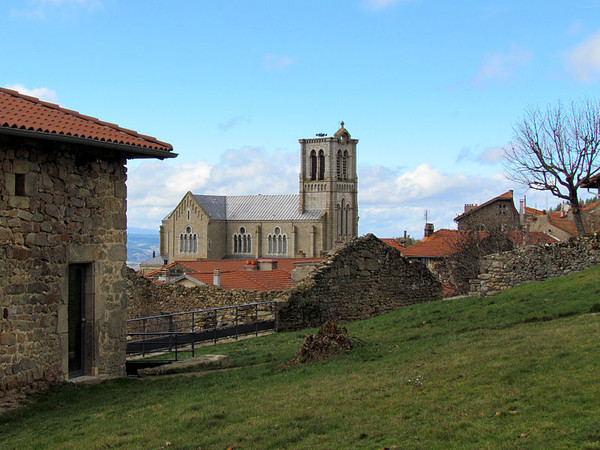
(321, 217)
(62, 242)
(560, 223)
(497, 214)
(436, 247)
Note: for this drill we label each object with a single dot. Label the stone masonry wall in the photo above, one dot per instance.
(363, 279)
(147, 298)
(536, 263)
(72, 211)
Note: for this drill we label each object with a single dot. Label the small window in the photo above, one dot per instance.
(20, 184)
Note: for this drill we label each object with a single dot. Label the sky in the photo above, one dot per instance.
(431, 88)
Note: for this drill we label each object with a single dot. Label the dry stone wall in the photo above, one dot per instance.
(535, 263)
(146, 298)
(69, 209)
(363, 279)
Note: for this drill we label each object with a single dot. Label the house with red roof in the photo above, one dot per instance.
(253, 274)
(62, 241)
(560, 224)
(435, 248)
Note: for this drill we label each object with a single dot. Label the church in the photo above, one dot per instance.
(322, 216)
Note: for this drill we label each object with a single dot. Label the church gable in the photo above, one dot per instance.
(188, 209)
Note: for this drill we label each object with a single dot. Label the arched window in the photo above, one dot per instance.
(277, 242)
(345, 165)
(347, 220)
(338, 165)
(321, 165)
(313, 165)
(242, 242)
(188, 241)
(342, 218)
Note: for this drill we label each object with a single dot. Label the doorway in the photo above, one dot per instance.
(77, 319)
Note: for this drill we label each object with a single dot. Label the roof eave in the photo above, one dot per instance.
(132, 151)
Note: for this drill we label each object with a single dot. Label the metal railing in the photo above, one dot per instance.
(170, 333)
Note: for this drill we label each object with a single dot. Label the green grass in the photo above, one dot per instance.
(516, 370)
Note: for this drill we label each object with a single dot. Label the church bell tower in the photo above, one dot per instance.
(329, 183)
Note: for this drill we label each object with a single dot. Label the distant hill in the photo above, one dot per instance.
(140, 245)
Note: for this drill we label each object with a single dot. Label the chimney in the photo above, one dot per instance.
(267, 264)
(153, 254)
(428, 230)
(470, 207)
(217, 277)
(251, 265)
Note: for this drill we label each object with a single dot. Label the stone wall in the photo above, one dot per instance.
(69, 210)
(536, 263)
(363, 279)
(146, 298)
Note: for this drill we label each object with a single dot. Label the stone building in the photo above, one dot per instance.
(322, 216)
(497, 214)
(62, 242)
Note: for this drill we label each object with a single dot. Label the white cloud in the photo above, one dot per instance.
(42, 93)
(274, 62)
(390, 200)
(584, 60)
(499, 67)
(488, 156)
(40, 9)
(155, 188)
(232, 123)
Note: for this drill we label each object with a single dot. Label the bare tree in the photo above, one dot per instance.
(557, 150)
(466, 252)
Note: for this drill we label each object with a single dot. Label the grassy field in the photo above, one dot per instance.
(517, 370)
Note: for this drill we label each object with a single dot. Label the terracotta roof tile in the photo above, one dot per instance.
(443, 243)
(439, 244)
(566, 225)
(234, 277)
(22, 112)
(393, 243)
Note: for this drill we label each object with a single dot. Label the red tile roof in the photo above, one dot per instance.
(439, 244)
(443, 243)
(393, 243)
(265, 280)
(566, 225)
(29, 114)
(234, 277)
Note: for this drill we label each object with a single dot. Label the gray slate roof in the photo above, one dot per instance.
(255, 207)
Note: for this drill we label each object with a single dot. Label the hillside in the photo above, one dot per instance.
(516, 370)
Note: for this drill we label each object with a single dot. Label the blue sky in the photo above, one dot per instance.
(431, 89)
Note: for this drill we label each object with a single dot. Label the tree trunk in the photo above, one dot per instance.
(577, 218)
